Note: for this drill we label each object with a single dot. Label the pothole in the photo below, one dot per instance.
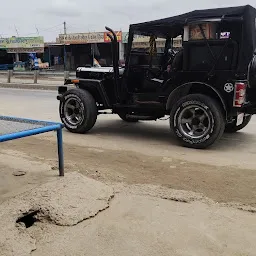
(28, 219)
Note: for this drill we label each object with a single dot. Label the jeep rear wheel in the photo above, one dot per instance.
(78, 111)
(232, 127)
(197, 121)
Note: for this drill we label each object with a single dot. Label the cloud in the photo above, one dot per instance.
(63, 8)
(93, 15)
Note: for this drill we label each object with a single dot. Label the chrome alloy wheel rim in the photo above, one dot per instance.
(194, 122)
(73, 111)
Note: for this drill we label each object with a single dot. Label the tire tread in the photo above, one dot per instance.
(216, 110)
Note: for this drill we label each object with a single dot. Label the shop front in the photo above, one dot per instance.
(86, 49)
(16, 52)
(140, 42)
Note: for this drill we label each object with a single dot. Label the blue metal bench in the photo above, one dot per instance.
(12, 128)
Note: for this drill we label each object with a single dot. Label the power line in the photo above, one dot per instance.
(44, 30)
(52, 27)
(16, 30)
(37, 30)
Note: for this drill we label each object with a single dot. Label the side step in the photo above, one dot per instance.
(148, 118)
(148, 102)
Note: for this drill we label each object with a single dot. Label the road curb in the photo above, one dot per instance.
(29, 86)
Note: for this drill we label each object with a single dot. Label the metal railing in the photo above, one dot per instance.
(12, 128)
(35, 75)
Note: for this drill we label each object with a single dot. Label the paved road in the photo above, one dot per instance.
(150, 138)
(145, 165)
(138, 217)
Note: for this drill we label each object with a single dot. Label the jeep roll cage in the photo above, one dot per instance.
(173, 26)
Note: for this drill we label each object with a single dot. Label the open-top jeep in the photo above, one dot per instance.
(206, 88)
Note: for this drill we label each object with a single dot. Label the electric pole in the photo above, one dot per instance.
(17, 32)
(65, 32)
(65, 28)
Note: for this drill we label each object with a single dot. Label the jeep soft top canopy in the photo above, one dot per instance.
(173, 26)
(246, 13)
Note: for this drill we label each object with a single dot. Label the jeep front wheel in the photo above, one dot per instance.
(78, 111)
(197, 121)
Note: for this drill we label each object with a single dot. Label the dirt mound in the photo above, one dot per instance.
(66, 202)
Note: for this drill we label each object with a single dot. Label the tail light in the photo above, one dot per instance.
(240, 94)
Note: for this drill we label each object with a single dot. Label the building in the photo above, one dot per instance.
(140, 42)
(17, 49)
(81, 49)
(71, 50)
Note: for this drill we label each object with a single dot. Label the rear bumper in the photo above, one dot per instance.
(249, 108)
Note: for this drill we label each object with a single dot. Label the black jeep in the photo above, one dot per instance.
(206, 88)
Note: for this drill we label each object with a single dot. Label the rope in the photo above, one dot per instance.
(152, 43)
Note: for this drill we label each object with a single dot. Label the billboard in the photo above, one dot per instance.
(118, 35)
(140, 41)
(82, 38)
(137, 38)
(22, 42)
(87, 38)
(25, 50)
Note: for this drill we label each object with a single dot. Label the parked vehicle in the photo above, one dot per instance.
(208, 87)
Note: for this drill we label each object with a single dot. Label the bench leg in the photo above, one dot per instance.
(60, 152)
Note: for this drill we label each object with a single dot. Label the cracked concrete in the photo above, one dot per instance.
(148, 226)
(64, 202)
(181, 196)
(142, 220)
(161, 192)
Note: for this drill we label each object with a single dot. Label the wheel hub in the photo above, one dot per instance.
(76, 111)
(73, 111)
(194, 122)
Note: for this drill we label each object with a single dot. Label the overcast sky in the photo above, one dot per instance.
(88, 16)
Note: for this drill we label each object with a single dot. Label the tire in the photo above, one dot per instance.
(232, 128)
(197, 121)
(78, 111)
(127, 119)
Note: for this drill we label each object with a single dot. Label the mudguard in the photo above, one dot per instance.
(185, 89)
(95, 87)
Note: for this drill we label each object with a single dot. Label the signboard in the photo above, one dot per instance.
(138, 38)
(22, 42)
(177, 43)
(140, 41)
(125, 36)
(118, 35)
(87, 38)
(82, 38)
(159, 44)
(25, 50)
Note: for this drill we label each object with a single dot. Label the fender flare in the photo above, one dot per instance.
(185, 89)
(95, 87)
